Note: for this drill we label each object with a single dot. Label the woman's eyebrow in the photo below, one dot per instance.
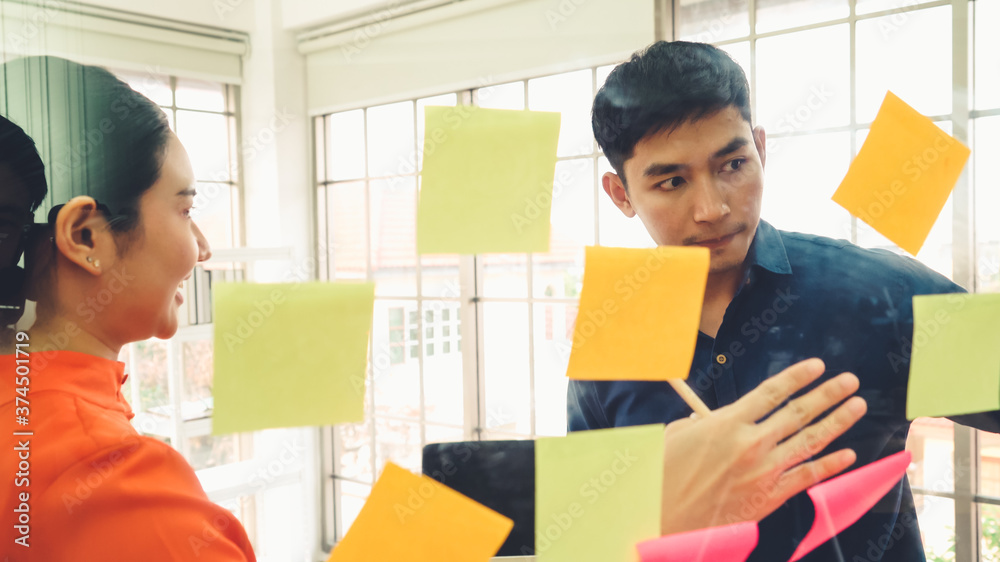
(188, 192)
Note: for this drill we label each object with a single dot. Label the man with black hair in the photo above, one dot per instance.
(674, 122)
(22, 190)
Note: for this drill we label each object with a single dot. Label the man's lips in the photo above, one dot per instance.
(715, 242)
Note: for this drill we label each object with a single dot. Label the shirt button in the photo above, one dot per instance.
(721, 358)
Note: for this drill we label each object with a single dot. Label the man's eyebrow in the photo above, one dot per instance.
(733, 146)
(661, 169)
(658, 169)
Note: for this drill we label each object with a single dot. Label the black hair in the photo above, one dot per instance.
(19, 155)
(100, 137)
(663, 86)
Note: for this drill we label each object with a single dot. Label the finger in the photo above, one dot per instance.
(814, 439)
(800, 412)
(809, 474)
(774, 391)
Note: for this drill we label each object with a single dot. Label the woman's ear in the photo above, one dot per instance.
(82, 235)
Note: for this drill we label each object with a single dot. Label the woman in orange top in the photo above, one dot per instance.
(79, 483)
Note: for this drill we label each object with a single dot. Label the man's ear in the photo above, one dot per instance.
(82, 235)
(615, 189)
(760, 141)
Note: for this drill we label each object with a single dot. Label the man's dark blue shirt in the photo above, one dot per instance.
(805, 296)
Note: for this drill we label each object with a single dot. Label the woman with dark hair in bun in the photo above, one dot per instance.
(105, 270)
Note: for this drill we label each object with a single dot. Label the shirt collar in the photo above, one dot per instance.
(94, 379)
(768, 251)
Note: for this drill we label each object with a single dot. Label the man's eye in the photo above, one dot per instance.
(735, 165)
(672, 183)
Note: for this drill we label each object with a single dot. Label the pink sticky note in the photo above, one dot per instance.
(843, 500)
(732, 543)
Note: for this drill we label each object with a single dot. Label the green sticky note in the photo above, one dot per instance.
(598, 493)
(290, 354)
(955, 367)
(487, 180)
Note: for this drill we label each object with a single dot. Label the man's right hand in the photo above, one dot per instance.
(733, 467)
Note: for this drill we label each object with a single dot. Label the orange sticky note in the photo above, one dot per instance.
(903, 174)
(639, 313)
(414, 518)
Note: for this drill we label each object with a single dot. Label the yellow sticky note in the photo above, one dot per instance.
(291, 354)
(598, 493)
(903, 174)
(639, 314)
(414, 518)
(486, 180)
(955, 364)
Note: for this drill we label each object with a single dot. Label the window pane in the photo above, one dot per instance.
(507, 377)
(205, 136)
(783, 14)
(987, 54)
(989, 464)
(446, 99)
(347, 242)
(871, 6)
(196, 362)
(346, 146)
(936, 252)
(990, 521)
(501, 96)
(207, 451)
(802, 174)
(149, 364)
(931, 441)
(553, 341)
(196, 94)
(393, 205)
(602, 74)
(913, 60)
(557, 272)
(396, 385)
(816, 95)
(399, 442)
(213, 213)
(443, 381)
(936, 517)
(615, 228)
(505, 275)
(710, 21)
(740, 52)
(571, 95)
(354, 455)
(391, 139)
(156, 87)
(441, 434)
(986, 179)
(351, 498)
